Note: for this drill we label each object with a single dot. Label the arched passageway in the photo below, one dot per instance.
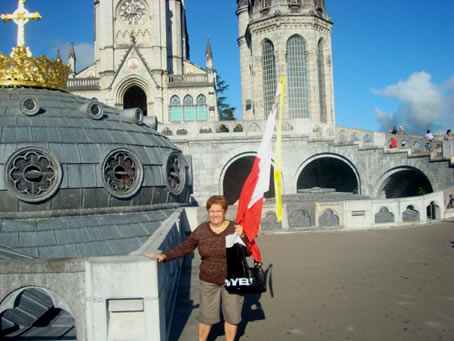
(236, 175)
(33, 316)
(135, 97)
(406, 183)
(328, 172)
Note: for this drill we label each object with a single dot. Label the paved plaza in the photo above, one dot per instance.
(387, 284)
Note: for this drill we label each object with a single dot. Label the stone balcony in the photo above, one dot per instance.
(188, 80)
(83, 84)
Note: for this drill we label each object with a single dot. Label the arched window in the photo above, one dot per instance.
(188, 108)
(202, 112)
(175, 109)
(269, 76)
(297, 78)
(321, 82)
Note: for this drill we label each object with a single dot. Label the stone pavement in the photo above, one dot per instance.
(387, 284)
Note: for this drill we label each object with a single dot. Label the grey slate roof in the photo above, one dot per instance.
(81, 144)
(78, 236)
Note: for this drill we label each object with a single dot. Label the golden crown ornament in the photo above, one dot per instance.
(20, 68)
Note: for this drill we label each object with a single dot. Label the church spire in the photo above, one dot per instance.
(72, 59)
(209, 55)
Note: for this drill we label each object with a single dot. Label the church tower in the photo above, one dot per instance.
(141, 61)
(290, 38)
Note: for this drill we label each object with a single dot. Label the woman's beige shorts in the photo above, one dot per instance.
(211, 297)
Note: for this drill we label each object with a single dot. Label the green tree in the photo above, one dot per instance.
(226, 112)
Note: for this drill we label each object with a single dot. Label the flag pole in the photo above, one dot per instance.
(278, 156)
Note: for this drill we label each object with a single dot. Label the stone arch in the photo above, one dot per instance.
(132, 82)
(404, 181)
(235, 175)
(300, 218)
(384, 215)
(433, 211)
(328, 171)
(411, 214)
(229, 159)
(135, 97)
(43, 309)
(342, 137)
(328, 218)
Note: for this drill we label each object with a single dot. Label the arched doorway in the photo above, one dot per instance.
(328, 172)
(135, 97)
(406, 182)
(236, 175)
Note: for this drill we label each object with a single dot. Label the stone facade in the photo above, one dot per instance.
(141, 60)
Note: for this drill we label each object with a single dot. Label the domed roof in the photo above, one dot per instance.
(80, 178)
(60, 151)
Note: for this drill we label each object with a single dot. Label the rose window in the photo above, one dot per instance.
(33, 174)
(176, 173)
(122, 173)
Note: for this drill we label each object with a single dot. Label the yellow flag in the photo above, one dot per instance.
(278, 157)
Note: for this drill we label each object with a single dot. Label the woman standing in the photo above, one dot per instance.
(209, 238)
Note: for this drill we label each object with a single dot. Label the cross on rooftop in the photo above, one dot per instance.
(20, 17)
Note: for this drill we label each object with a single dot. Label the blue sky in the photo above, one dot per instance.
(392, 59)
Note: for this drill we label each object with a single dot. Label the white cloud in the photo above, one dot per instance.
(423, 104)
(84, 53)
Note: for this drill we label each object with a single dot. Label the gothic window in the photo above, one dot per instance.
(321, 80)
(269, 76)
(188, 108)
(175, 108)
(202, 111)
(122, 173)
(33, 174)
(297, 78)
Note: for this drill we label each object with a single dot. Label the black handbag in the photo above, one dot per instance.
(241, 278)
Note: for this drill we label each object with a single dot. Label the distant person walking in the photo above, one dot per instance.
(393, 131)
(429, 137)
(401, 130)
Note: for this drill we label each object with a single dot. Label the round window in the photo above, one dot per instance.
(176, 173)
(33, 174)
(122, 173)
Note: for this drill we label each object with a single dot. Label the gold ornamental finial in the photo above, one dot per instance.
(20, 69)
(21, 17)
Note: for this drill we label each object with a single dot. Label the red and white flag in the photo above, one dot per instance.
(249, 212)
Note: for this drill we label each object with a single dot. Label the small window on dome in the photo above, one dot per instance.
(122, 173)
(33, 174)
(176, 173)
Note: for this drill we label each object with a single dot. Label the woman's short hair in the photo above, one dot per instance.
(218, 200)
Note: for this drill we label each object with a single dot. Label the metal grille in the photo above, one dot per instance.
(321, 82)
(269, 76)
(297, 78)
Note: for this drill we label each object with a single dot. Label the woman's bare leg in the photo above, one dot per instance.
(204, 330)
(230, 331)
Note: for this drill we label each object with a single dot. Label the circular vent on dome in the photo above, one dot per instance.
(33, 174)
(176, 173)
(122, 173)
(29, 106)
